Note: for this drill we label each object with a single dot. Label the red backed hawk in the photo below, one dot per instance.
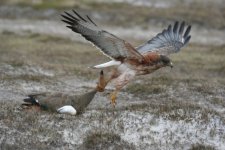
(128, 60)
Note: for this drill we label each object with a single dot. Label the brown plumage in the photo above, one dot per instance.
(129, 61)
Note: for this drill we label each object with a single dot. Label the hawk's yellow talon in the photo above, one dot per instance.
(113, 97)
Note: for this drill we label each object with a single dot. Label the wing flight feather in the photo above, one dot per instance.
(109, 44)
(170, 40)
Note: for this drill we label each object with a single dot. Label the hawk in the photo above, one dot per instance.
(127, 60)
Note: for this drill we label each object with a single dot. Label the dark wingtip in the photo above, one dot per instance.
(182, 23)
(181, 30)
(186, 40)
(68, 18)
(91, 20)
(73, 17)
(187, 31)
(74, 11)
(169, 27)
(78, 15)
(68, 22)
(69, 27)
(63, 15)
(175, 27)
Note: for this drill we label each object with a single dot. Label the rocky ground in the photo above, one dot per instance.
(182, 108)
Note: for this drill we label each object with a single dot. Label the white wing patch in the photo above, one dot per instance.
(67, 109)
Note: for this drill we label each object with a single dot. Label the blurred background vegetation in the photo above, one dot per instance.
(209, 13)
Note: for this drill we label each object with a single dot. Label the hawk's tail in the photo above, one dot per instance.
(107, 64)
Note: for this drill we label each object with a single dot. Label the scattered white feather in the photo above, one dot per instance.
(67, 109)
(108, 64)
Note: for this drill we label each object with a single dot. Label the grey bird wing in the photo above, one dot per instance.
(109, 44)
(169, 41)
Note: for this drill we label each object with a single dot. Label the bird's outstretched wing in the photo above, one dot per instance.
(169, 41)
(108, 43)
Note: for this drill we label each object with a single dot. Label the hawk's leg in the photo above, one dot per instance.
(119, 83)
(102, 83)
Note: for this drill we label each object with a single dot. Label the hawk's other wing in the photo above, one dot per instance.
(169, 41)
(109, 44)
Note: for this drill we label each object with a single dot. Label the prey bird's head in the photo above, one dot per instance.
(166, 61)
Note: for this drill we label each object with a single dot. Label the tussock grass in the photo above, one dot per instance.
(202, 147)
(218, 101)
(100, 140)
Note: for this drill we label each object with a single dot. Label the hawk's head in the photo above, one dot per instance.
(166, 61)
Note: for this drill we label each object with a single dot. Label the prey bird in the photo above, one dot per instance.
(61, 102)
(127, 60)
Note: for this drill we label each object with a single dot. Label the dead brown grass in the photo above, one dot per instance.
(60, 55)
(201, 147)
(100, 140)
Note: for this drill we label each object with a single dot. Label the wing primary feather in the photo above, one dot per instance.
(79, 16)
(109, 44)
(71, 16)
(181, 30)
(175, 27)
(187, 39)
(68, 22)
(91, 20)
(165, 33)
(68, 18)
(70, 27)
(162, 37)
(169, 27)
(170, 40)
(187, 31)
(170, 31)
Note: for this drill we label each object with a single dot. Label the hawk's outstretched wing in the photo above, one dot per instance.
(108, 43)
(169, 41)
